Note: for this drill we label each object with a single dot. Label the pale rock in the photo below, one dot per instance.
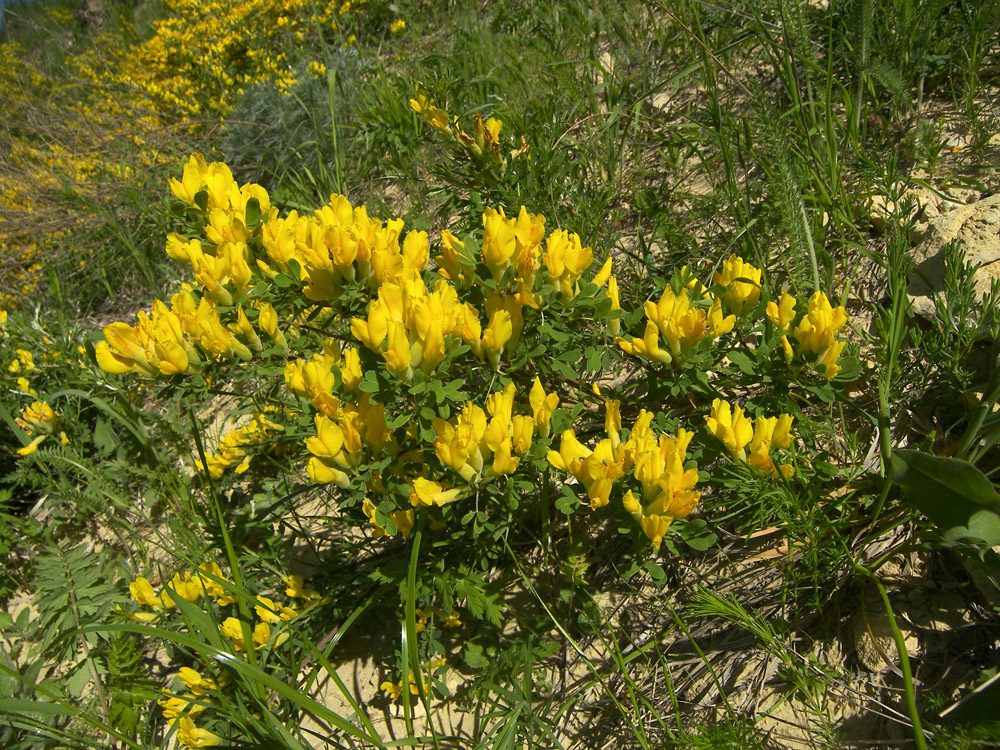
(977, 226)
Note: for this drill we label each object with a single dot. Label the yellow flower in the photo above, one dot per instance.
(392, 690)
(522, 431)
(261, 635)
(615, 324)
(436, 116)
(25, 387)
(232, 628)
(817, 330)
(719, 324)
(191, 736)
(397, 26)
(730, 426)
(31, 447)
(566, 259)
(648, 346)
(542, 406)
(783, 313)
(667, 486)
(499, 241)
(194, 682)
(143, 594)
(267, 610)
(743, 281)
(602, 276)
(38, 417)
(189, 588)
(425, 492)
(174, 706)
(655, 527)
(295, 589)
(213, 582)
(613, 421)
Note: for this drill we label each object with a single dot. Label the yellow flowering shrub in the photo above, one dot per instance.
(432, 385)
(370, 320)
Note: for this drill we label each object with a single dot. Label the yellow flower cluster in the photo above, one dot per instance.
(177, 339)
(742, 282)
(42, 418)
(695, 313)
(471, 440)
(655, 462)
(64, 128)
(23, 362)
(484, 145)
(412, 324)
(197, 61)
(681, 323)
(206, 53)
(233, 448)
(816, 332)
(735, 430)
(393, 690)
(209, 582)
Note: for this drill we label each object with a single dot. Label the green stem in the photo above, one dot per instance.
(909, 691)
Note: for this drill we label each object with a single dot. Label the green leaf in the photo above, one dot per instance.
(569, 502)
(742, 361)
(953, 494)
(696, 535)
(15, 706)
(369, 383)
(252, 213)
(565, 370)
(979, 706)
(850, 369)
(823, 392)
(656, 573)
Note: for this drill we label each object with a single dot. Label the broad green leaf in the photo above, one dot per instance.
(742, 361)
(952, 493)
